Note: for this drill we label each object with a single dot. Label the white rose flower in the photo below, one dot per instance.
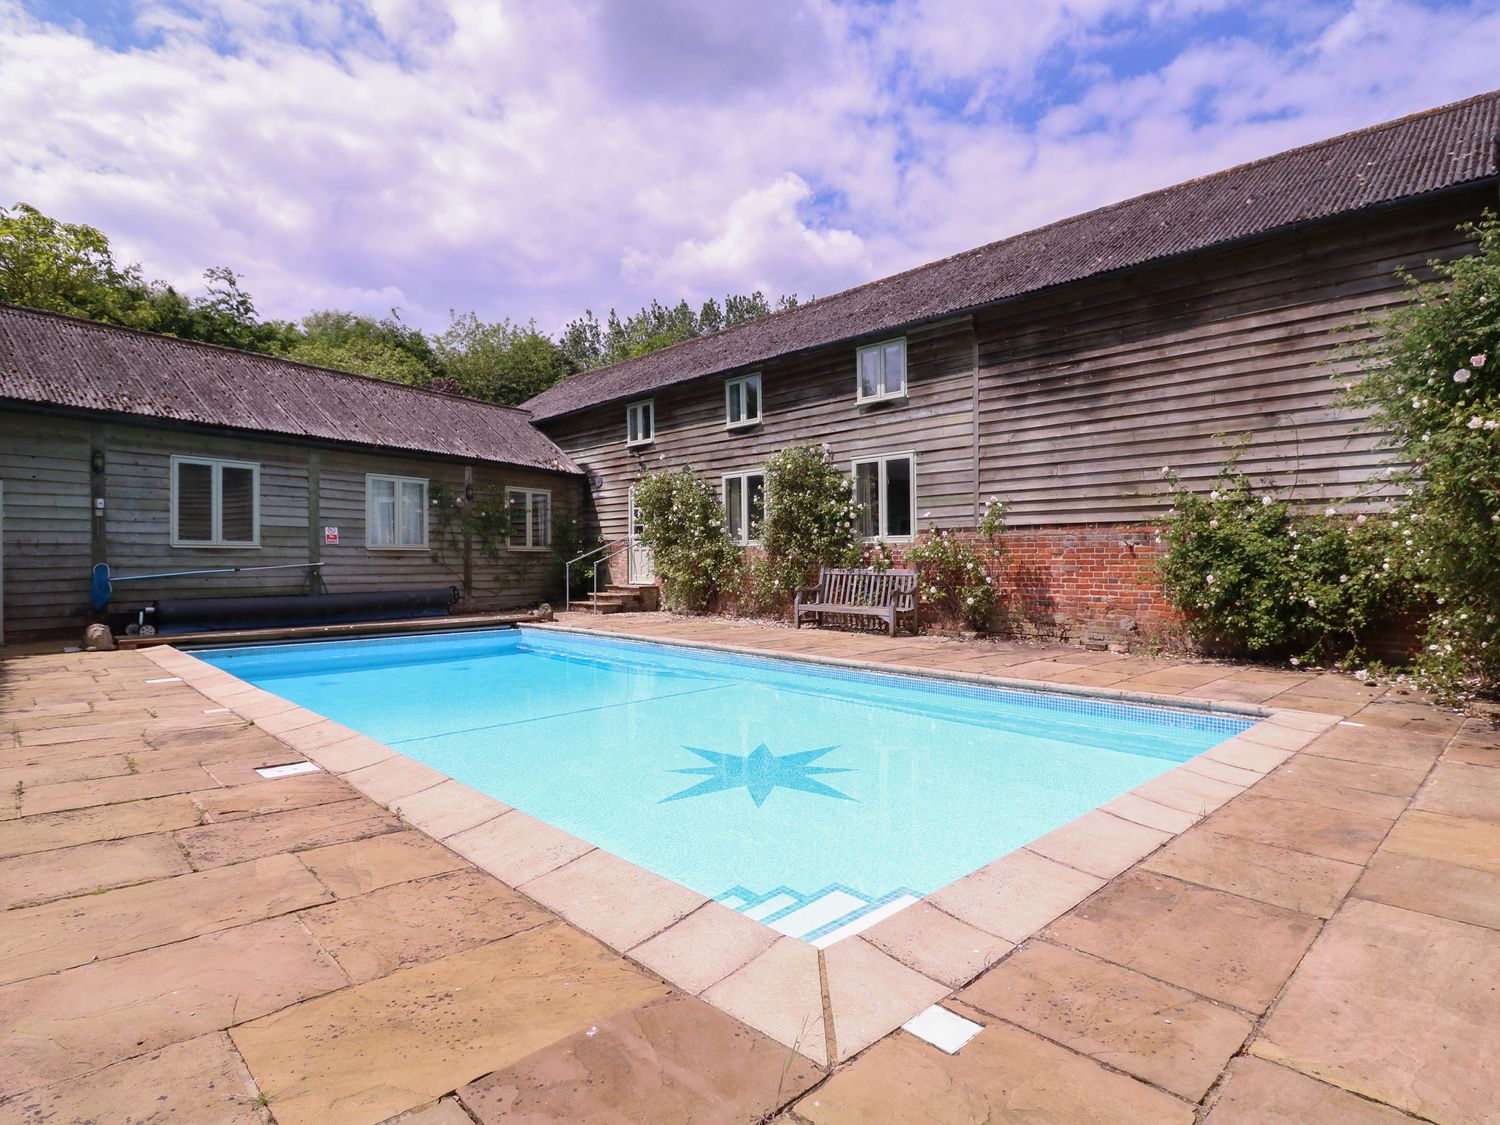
(1475, 422)
(1477, 360)
(1462, 375)
(1213, 523)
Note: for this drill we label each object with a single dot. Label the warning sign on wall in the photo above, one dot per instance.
(330, 535)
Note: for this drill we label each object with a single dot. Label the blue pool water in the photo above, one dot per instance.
(811, 798)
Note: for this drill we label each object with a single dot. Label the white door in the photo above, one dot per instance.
(642, 567)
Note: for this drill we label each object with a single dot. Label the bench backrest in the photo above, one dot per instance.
(840, 586)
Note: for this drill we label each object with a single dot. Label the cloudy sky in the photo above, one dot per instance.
(536, 158)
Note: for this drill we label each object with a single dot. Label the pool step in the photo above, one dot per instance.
(821, 918)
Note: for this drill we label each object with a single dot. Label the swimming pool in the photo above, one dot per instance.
(814, 799)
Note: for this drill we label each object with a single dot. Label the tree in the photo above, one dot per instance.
(67, 268)
(224, 315)
(587, 344)
(346, 341)
(499, 362)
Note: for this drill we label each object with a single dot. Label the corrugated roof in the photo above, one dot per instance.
(1440, 148)
(61, 361)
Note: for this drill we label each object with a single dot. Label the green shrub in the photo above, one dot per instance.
(952, 576)
(811, 521)
(1430, 379)
(682, 522)
(1253, 575)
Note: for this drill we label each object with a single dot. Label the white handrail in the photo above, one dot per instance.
(568, 571)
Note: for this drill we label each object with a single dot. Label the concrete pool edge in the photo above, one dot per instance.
(870, 983)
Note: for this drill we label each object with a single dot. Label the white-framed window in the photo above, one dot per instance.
(886, 493)
(880, 370)
(530, 518)
(640, 422)
(742, 401)
(395, 513)
(215, 503)
(744, 505)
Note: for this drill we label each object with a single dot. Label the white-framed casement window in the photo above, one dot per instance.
(744, 506)
(395, 513)
(640, 422)
(530, 518)
(215, 503)
(881, 370)
(885, 491)
(742, 401)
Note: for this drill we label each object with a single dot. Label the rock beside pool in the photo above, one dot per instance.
(542, 612)
(98, 638)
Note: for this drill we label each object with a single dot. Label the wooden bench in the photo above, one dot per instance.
(885, 594)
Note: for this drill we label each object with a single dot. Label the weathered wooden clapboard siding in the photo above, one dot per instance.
(138, 521)
(1086, 394)
(47, 516)
(805, 399)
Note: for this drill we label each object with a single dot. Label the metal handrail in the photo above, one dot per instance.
(624, 546)
(568, 570)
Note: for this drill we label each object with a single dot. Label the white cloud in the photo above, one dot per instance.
(535, 158)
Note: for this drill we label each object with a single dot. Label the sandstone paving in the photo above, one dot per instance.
(614, 899)
(195, 1082)
(266, 796)
(66, 1024)
(1004, 1074)
(234, 841)
(112, 790)
(1433, 886)
(1397, 1006)
(672, 1060)
(59, 935)
(32, 772)
(1261, 1093)
(104, 822)
(1393, 781)
(372, 1050)
(1099, 843)
(1331, 833)
(870, 994)
(518, 848)
(29, 880)
(1378, 746)
(444, 1111)
(409, 923)
(1154, 1031)
(779, 993)
(937, 945)
(1221, 946)
(1016, 895)
(704, 947)
(378, 861)
(1454, 839)
(1284, 787)
(1459, 789)
(1309, 884)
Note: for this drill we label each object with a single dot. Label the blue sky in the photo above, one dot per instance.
(535, 159)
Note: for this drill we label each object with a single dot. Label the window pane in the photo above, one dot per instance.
(867, 496)
(869, 372)
(735, 390)
(648, 421)
(541, 519)
(752, 398)
(632, 424)
(382, 529)
(756, 504)
(898, 496)
(195, 502)
(238, 505)
(515, 505)
(734, 508)
(895, 367)
(413, 514)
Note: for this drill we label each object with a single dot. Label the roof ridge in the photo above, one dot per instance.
(108, 326)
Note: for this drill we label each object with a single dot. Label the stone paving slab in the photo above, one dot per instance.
(409, 923)
(105, 822)
(871, 994)
(366, 1052)
(263, 796)
(1261, 1093)
(1016, 895)
(1460, 790)
(1196, 938)
(1331, 833)
(672, 1060)
(1005, 1075)
(937, 945)
(1447, 890)
(378, 861)
(234, 841)
(196, 1082)
(66, 1024)
(29, 880)
(613, 899)
(112, 790)
(1164, 1035)
(779, 993)
(60, 935)
(704, 947)
(1396, 1006)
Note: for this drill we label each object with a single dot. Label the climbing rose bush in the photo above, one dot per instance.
(1428, 375)
(682, 522)
(952, 576)
(811, 521)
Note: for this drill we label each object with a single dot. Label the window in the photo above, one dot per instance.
(744, 506)
(530, 518)
(640, 422)
(742, 401)
(395, 513)
(881, 370)
(884, 489)
(215, 503)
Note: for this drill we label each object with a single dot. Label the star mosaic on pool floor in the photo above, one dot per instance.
(760, 772)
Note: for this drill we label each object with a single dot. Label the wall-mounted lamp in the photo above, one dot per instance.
(96, 461)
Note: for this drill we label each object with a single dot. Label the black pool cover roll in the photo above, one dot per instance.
(179, 615)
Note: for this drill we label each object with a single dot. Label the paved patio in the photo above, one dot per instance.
(185, 940)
